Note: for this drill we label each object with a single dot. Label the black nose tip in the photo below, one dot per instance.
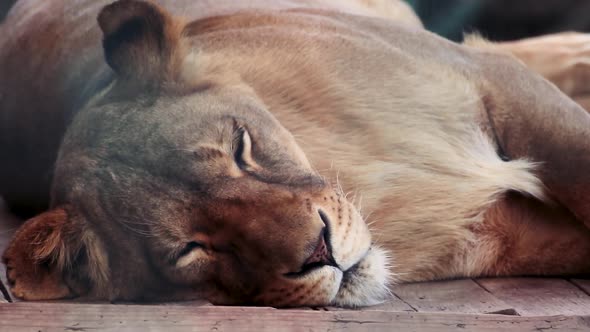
(324, 218)
(322, 255)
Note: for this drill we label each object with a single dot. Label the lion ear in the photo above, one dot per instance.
(141, 41)
(49, 250)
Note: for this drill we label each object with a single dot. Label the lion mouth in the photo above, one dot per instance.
(307, 269)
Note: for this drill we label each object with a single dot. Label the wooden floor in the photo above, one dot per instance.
(511, 304)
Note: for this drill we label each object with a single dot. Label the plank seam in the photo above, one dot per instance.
(407, 303)
(578, 286)
(508, 312)
(482, 286)
(5, 292)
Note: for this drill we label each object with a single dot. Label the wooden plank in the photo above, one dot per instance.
(464, 296)
(393, 304)
(583, 284)
(75, 317)
(539, 296)
(8, 225)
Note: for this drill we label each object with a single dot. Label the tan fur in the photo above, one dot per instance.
(354, 122)
(562, 58)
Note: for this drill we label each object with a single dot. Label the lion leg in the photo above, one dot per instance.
(562, 58)
(532, 119)
(523, 236)
(584, 102)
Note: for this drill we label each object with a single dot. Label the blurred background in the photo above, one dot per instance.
(4, 6)
(495, 19)
(503, 19)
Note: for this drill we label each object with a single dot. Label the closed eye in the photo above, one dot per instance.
(185, 256)
(242, 149)
(190, 247)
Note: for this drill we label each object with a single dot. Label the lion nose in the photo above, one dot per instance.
(322, 255)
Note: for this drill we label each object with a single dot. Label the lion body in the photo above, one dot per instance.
(392, 113)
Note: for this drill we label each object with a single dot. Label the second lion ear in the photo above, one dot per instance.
(55, 255)
(141, 41)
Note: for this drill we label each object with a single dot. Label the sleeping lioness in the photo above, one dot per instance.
(223, 150)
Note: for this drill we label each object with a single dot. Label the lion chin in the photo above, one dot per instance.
(366, 283)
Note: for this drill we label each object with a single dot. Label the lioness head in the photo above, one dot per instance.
(168, 187)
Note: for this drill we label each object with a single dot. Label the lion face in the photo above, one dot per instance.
(221, 195)
(221, 199)
(167, 190)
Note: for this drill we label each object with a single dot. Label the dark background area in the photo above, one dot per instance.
(503, 19)
(4, 6)
(494, 19)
